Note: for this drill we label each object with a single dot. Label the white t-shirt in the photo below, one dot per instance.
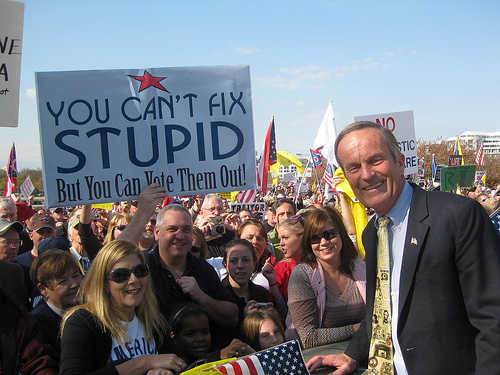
(135, 346)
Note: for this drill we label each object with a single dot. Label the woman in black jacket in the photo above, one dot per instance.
(118, 329)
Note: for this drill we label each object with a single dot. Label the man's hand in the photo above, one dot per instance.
(189, 285)
(342, 362)
(150, 197)
(232, 221)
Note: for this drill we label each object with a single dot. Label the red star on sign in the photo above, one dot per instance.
(148, 80)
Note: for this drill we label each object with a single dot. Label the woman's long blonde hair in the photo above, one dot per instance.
(95, 296)
(113, 224)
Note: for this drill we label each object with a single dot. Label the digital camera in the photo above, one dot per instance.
(218, 227)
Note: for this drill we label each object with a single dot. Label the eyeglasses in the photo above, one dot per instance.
(327, 235)
(121, 227)
(213, 209)
(120, 275)
(10, 242)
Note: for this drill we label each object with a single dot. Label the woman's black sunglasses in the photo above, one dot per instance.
(327, 235)
(120, 275)
(121, 227)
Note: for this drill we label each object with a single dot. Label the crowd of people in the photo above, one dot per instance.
(160, 285)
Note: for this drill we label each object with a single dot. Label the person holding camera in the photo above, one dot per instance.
(217, 225)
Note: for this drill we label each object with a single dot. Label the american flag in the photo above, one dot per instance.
(480, 156)
(328, 177)
(282, 359)
(246, 196)
(495, 219)
(11, 180)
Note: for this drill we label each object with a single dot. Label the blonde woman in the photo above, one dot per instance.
(118, 328)
(116, 226)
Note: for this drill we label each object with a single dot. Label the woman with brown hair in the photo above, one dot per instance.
(326, 292)
(118, 328)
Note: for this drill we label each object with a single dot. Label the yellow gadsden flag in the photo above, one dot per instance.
(357, 208)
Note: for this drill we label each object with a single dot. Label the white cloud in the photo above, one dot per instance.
(30, 93)
(293, 77)
(247, 50)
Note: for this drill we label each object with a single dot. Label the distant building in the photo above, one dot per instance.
(473, 140)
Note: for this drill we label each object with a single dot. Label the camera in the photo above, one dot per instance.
(218, 227)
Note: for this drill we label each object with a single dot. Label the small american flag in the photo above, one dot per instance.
(480, 156)
(328, 176)
(495, 219)
(282, 359)
(246, 196)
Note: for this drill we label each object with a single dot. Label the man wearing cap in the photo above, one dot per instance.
(12, 276)
(84, 243)
(41, 227)
(8, 212)
(9, 239)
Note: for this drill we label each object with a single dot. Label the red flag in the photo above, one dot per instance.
(268, 158)
(480, 156)
(11, 180)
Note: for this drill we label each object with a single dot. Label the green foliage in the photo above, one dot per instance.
(34, 174)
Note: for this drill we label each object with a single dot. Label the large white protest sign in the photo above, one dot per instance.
(403, 127)
(11, 37)
(106, 134)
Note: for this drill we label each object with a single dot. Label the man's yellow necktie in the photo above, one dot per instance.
(380, 358)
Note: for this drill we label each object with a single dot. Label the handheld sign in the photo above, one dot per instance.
(451, 177)
(106, 134)
(403, 127)
(11, 38)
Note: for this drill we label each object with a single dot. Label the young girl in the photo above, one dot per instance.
(192, 341)
(291, 234)
(263, 329)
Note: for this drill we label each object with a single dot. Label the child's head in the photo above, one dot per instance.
(240, 260)
(263, 329)
(190, 331)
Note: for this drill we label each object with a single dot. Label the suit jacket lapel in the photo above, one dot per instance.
(415, 237)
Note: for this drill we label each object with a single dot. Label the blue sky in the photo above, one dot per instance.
(439, 59)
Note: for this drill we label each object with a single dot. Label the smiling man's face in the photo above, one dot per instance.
(375, 176)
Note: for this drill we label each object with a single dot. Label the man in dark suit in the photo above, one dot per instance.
(444, 262)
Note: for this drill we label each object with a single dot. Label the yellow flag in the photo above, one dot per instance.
(104, 206)
(207, 368)
(357, 208)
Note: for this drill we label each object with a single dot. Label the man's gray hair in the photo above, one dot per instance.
(211, 196)
(7, 202)
(173, 207)
(389, 138)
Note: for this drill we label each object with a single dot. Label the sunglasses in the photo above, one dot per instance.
(120, 275)
(121, 227)
(327, 235)
(298, 219)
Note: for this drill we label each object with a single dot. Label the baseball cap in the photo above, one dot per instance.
(5, 226)
(74, 221)
(39, 221)
(54, 243)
